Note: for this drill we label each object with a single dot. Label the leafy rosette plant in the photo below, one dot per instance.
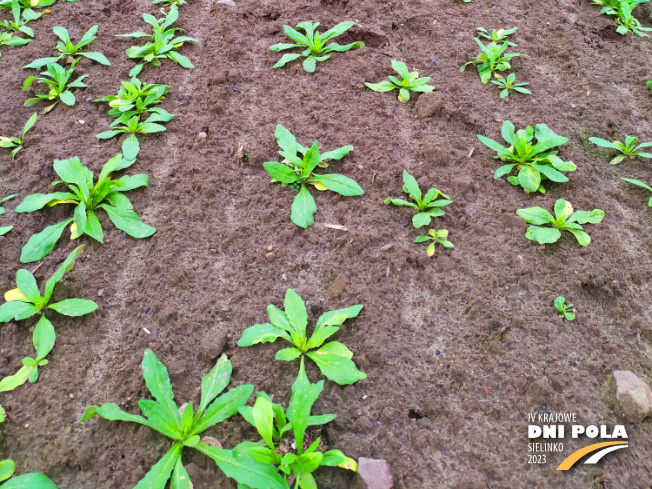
(428, 206)
(315, 44)
(409, 81)
(19, 24)
(492, 59)
(534, 162)
(564, 309)
(25, 481)
(628, 149)
(163, 43)
(17, 143)
(497, 36)
(69, 50)
(58, 79)
(332, 358)
(293, 460)
(26, 4)
(5, 229)
(185, 426)
(26, 301)
(565, 219)
(296, 171)
(88, 197)
(435, 237)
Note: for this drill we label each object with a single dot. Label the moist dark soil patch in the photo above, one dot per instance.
(457, 348)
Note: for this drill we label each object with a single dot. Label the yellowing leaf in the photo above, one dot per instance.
(66, 201)
(74, 234)
(15, 295)
(33, 3)
(349, 464)
(323, 165)
(319, 186)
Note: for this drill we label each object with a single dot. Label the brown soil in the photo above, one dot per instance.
(457, 348)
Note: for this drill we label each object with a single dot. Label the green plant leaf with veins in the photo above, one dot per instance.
(333, 358)
(628, 149)
(184, 425)
(408, 81)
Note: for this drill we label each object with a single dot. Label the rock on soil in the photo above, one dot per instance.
(376, 474)
(633, 396)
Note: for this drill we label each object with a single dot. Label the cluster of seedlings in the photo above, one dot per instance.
(288, 454)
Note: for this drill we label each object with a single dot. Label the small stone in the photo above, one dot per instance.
(81, 121)
(213, 251)
(429, 104)
(100, 292)
(633, 395)
(375, 473)
(202, 135)
(269, 248)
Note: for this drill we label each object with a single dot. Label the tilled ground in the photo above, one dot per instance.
(457, 348)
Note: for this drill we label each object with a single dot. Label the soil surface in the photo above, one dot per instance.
(458, 348)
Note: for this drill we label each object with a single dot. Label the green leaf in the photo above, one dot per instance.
(535, 215)
(215, 382)
(280, 172)
(67, 98)
(296, 312)
(285, 59)
(263, 414)
(30, 481)
(288, 354)
(7, 468)
(404, 95)
(501, 150)
(35, 202)
(130, 147)
(133, 182)
(319, 336)
(19, 378)
(262, 333)
(303, 208)
(411, 186)
(128, 221)
(9, 311)
(97, 57)
(27, 284)
(159, 475)
(43, 338)
(603, 143)
(551, 173)
(338, 316)
(583, 217)
(334, 361)
(304, 395)
(421, 219)
(160, 419)
(223, 407)
(111, 412)
(180, 477)
(74, 307)
(582, 238)
(158, 382)
(339, 184)
(64, 268)
(336, 154)
(383, 86)
(309, 64)
(40, 244)
(239, 465)
(529, 178)
(543, 235)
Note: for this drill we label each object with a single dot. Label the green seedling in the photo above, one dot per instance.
(88, 198)
(628, 149)
(497, 36)
(315, 44)
(18, 143)
(70, 51)
(509, 84)
(26, 301)
(435, 236)
(185, 426)
(428, 207)
(409, 81)
(294, 461)
(492, 59)
(19, 24)
(627, 22)
(534, 162)
(58, 79)
(25, 481)
(610, 7)
(134, 98)
(333, 358)
(296, 171)
(178, 3)
(5, 229)
(133, 126)
(564, 310)
(630, 180)
(649, 84)
(163, 44)
(565, 220)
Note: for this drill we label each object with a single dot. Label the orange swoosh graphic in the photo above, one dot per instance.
(575, 456)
